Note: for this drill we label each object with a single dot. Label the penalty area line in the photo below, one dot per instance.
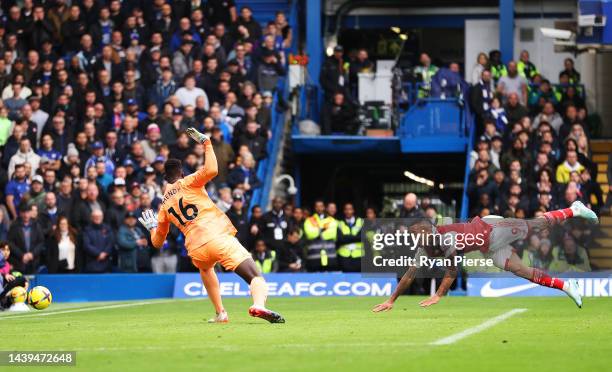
(476, 329)
(89, 308)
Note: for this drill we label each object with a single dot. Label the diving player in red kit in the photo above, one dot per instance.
(497, 234)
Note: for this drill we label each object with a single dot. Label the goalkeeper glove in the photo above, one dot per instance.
(197, 136)
(148, 219)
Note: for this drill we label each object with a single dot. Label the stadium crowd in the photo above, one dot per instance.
(96, 95)
(532, 154)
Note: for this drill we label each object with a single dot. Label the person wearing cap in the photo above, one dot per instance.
(130, 240)
(151, 143)
(102, 178)
(270, 69)
(71, 158)
(97, 149)
(150, 185)
(27, 241)
(39, 117)
(238, 215)
(36, 194)
(334, 73)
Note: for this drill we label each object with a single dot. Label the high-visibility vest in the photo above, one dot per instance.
(351, 250)
(266, 266)
(497, 71)
(321, 235)
(316, 227)
(526, 70)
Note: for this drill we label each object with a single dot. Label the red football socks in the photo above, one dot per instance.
(542, 278)
(555, 217)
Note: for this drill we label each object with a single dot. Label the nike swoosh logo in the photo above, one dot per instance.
(488, 291)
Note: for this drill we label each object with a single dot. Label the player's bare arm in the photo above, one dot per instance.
(402, 286)
(449, 278)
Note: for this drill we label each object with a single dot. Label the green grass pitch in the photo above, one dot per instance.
(322, 334)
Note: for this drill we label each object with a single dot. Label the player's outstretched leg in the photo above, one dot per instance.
(577, 209)
(211, 283)
(570, 287)
(247, 270)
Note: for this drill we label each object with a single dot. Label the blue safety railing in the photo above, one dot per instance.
(429, 117)
(465, 199)
(265, 167)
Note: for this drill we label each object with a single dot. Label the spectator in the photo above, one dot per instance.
(62, 248)
(481, 96)
(253, 140)
(130, 240)
(24, 155)
(264, 258)
(569, 257)
(225, 198)
(568, 68)
(550, 116)
(525, 67)
(339, 116)
(15, 103)
(244, 177)
(291, 254)
(164, 87)
(497, 67)
(570, 164)
(15, 189)
(350, 247)
(334, 74)
(36, 194)
(246, 26)
(224, 153)
(273, 225)
(188, 93)
(238, 216)
(269, 71)
(27, 242)
(515, 111)
(498, 115)
(540, 254)
(360, 64)
(410, 208)
(85, 205)
(320, 233)
(116, 212)
(98, 244)
(512, 82)
(424, 72)
(482, 63)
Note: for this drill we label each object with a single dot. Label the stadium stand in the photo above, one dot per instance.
(88, 119)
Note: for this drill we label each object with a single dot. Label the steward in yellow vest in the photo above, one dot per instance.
(350, 246)
(320, 232)
(264, 259)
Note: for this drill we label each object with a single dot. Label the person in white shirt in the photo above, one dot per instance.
(188, 93)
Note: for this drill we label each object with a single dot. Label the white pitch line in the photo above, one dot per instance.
(479, 328)
(91, 308)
